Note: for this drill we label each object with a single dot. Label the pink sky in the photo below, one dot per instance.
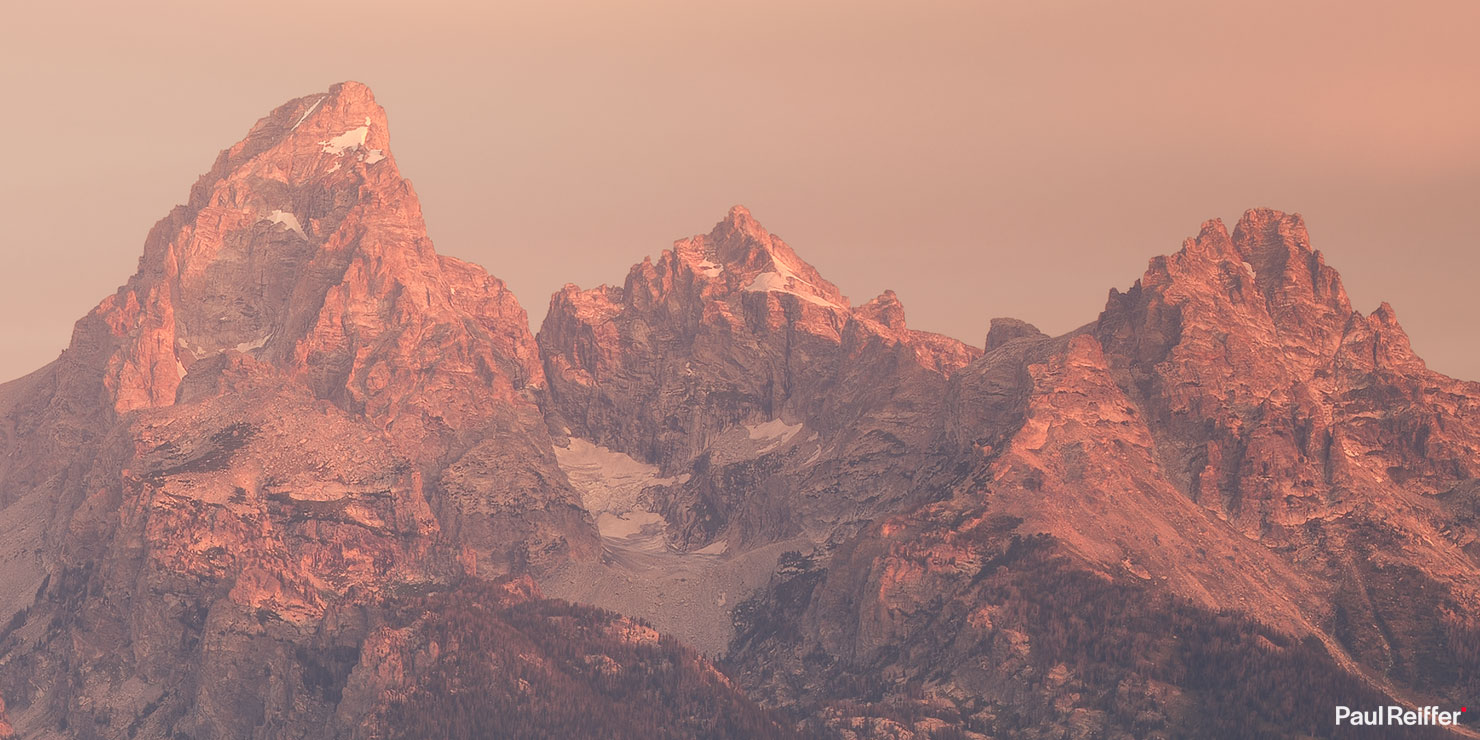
(980, 158)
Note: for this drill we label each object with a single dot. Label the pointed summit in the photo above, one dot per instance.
(726, 327)
(1378, 343)
(243, 265)
(885, 310)
(305, 248)
(1211, 240)
(1262, 279)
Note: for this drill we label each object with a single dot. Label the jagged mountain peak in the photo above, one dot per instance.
(1378, 343)
(1273, 248)
(1262, 284)
(740, 220)
(1244, 336)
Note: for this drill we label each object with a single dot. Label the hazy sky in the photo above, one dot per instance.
(980, 158)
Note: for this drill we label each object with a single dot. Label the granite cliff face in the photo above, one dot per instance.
(302, 476)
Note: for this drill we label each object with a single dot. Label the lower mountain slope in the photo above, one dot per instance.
(487, 666)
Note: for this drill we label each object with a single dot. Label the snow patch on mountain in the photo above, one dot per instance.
(640, 530)
(609, 481)
(351, 139)
(784, 280)
(254, 344)
(288, 220)
(772, 434)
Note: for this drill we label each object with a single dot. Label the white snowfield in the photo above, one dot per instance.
(351, 139)
(288, 220)
(772, 434)
(610, 484)
(688, 595)
(785, 280)
(608, 480)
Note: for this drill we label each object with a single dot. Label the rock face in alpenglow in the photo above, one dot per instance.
(303, 477)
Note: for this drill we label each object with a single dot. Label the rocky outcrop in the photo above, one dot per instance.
(233, 537)
(1005, 330)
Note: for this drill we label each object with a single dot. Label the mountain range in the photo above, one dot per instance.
(302, 476)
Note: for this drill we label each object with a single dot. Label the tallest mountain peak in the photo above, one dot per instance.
(1287, 271)
(302, 246)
